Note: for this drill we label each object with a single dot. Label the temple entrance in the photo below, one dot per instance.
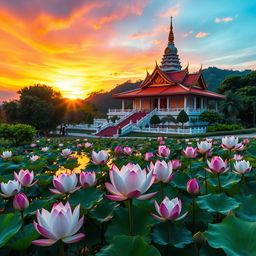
(163, 103)
(155, 103)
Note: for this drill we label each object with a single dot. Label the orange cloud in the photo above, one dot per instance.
(226, 19)
(187, 34)
(201, 34)
(175, 10)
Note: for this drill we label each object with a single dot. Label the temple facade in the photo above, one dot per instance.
(170, 89)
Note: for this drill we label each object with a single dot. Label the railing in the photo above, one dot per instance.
(105, 126)
(115, 110)
(145, 120)
(173, 110)
(83, 126)
(124, 117)
(195, 130)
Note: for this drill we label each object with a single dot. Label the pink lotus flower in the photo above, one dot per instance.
(162, 170)
(34, 158)
(238, 157)
(129, 182)
(193, 187)
(159, 139)
(231, 142)
(64, 183)
(148, 156)
(59, 224)
(187, 140)
(25, 178)
(87, 179)
(163, 151)
(127, 150)
(33, 145)
(217, 165)
(242, 167)
(118, 150)
(45, 149)
(100, 158)
(20, 202)
(190, 152)
(204, 147)
(162, 142)
(87, 145)
(246, 141)
(169, 209)
(66, 152)
(79, 145)
(9, 189)
(176, 164)
(6, 154)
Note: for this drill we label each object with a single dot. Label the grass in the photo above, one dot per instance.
(181, 136)
(80, 131)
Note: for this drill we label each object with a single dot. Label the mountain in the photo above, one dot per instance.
(103, 100)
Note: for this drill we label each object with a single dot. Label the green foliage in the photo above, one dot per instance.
(155, 120)
(17, 133)
(114, 118)
(11, 111)
(169, 119)
(235, 236)
(224, 127)
(211, 117)
(182, 117)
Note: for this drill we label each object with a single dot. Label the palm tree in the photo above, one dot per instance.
(232, 106)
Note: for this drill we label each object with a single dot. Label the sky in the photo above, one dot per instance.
(81, 46)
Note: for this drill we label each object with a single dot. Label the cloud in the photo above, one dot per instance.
(226, 19)
(187, 33)
(202, 34)
(173, 11)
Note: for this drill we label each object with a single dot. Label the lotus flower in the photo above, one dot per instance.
(169, 209)
(190, 152)
(163, 151)
(162, 142)
(61, 145)
(204, 147)
(118, 150)
(162, 170)
(129, 182)
(59, 224)
(6, 154)
(45, 149)
(33, 145)
(87, 179)
(87, 145)
(9, 189)
(246, 141)
(148, 156)
(127, 150)
(193, 187)
(231, 142)
(34, 158)
(217, 165)
(100, 158)
(242, 167)
(20, 202)
(66, 152)
(64, 183)
(238, 157)
(176, 164)
(25, 178)
(79, 145)
(159, 139)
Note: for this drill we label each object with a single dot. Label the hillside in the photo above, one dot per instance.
(103, 100)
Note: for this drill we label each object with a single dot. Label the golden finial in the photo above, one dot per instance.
(171, 36)
(186, 68)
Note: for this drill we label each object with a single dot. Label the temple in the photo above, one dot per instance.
(168, 90)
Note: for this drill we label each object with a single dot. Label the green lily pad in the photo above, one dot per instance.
(38, 204)
(127, 246)
(247, 210)
(169, 234)
(9, 226)
(227, 180)
(180, 180)
(235, 236)
(142, 222)
(217, 203)
(22, 239)
(87, 197)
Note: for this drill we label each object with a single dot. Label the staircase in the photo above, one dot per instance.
(112, 130)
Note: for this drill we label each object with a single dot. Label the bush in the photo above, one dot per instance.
(224, 127)
(155, 120)
(18, 133)
(211, 117)
(182, 117)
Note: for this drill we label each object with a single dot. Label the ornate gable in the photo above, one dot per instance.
(157, 78)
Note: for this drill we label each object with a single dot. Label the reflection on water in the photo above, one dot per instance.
(82, 160)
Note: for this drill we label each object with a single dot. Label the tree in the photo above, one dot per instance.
(211, 117)
(169, 119)
(11, 111)
(155, 120)
(231, 106)
(41, 106)
(182, 118)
